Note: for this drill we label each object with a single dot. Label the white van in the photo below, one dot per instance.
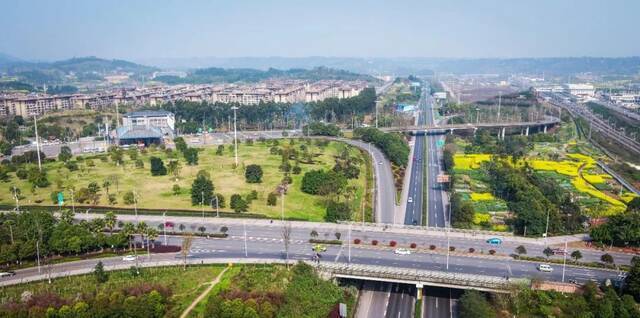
(545, 268)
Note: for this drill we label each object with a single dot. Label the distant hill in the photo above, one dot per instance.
(8, 59)
(219, 75)
(404, 66)
(75, 69)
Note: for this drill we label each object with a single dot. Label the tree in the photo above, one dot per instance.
(99, 273)
(181, 145)
(576, 255)
(191, 156)
(38, 178)
(110, 220)
(65, 154)
(322, 182)
(220, 201)
(157, 167)
(238, 204)
(176, 189)
(129, 198)
(473, 304)
(632, 281)
(607, 259)
(173, 167)
(521, 250)
(187, 240)
(201, 190)
(272, 199)
(461, 212)
(220, 150)
(337, 211)
(253, 174)
(313, 234)
(547, 252)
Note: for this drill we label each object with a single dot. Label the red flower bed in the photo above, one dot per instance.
(432, 247)
(471, 249)
(356, 241)
(414, 245)
(374, 242)
(492, 252)
(392, 243)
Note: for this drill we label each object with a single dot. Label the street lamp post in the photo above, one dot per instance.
(546, 229)
(448, 230)
(202, 205)
(35, 124)
(217, 206)
(235, 133)
(564, 261)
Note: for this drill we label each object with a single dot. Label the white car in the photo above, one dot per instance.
(7, 274)
(402, 251)
(129, 258)
(379, 162)
(410, 200)
(545, 268)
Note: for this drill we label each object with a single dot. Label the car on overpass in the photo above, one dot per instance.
(402, 251)
(494, 241)
(545, 268)
(319, 248)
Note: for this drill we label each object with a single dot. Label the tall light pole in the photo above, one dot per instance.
(164, 226)
(135, 204)
(448, 230)
(235, 133)
(546, 229)
(217, 206)
(564, 261)
(349, 238)
(202, 205)
(35, 124)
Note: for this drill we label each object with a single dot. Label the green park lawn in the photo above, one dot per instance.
(185, 285)
(155, 192)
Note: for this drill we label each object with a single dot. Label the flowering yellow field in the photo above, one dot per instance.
(570, 167)
(485, 196)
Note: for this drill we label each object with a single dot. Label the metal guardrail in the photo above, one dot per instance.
(422, 276)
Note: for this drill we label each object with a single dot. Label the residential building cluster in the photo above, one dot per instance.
(629, 100)
(583, 91)
(280, 91)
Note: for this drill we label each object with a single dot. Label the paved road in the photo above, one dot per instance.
(402, 301)
(385, 189)
(272, 248)
(440, 302)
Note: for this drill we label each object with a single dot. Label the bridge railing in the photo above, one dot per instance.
(467, 232)
(422, 276)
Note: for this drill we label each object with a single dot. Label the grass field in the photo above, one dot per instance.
(185, 285)
(156, 192)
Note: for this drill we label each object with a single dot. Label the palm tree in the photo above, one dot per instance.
(142, 229)
(129, 230)
(110, 220)
(152, 234)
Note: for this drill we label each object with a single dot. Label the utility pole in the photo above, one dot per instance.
(135, 204)
(235, 134)
(38, 254)
(35, 124)
(282, 205)
(244, 225)
(15, 196)
(217, 207)
(164, 226)
(564, 261)
(202, 205)
(349, 238)
(546, 229)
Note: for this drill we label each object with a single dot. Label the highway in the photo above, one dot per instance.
(271, 248)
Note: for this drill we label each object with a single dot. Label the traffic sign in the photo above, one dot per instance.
(443, 178)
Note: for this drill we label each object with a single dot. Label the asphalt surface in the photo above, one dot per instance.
(385, 189)
(272, 248)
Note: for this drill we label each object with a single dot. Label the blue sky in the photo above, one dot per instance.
(446, 28)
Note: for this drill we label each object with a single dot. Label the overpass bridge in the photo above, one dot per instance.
(522, 127)
(420, 277)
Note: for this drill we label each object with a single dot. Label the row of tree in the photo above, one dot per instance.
(393, 145)
(196, 117)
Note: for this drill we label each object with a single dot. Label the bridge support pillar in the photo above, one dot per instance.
(526, 131)
(502, 133)
(544, 129)
(474, 131)
(419, 291)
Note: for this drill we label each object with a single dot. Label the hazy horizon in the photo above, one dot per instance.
(146, 29)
